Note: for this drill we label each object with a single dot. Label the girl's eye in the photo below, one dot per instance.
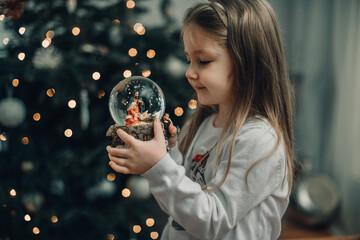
(188, 62)
(204, 62)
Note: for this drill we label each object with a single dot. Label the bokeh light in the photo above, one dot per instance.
(25, 140)
(36, 116)
(130, 4)
(136, 228)
(96, 76)
(150, 222)
(127, 73)
(75, 31)
(68, 133)
(126, 192)
(21, 56)
(179, 111)
(15, 82)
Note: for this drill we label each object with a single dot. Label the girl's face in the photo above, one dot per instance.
(210, 67)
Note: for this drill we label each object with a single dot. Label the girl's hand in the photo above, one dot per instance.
(140, 156)
(173, 136)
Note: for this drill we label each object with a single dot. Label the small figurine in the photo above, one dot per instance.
(167, 122)
(135, 111)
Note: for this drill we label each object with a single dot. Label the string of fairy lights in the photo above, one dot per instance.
(68, 133)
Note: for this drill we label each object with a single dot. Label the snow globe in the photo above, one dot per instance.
(134, 104)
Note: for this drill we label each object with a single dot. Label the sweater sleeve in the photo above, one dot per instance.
(212, 215)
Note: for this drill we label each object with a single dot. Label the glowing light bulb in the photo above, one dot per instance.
(126, 192)
(111, 177)
(110, 237)
(150, 222)
(75, 31)
(154, 235)
(2, 16)
(50, 92)
(25, 140)
(54, 219)
(179, 111)
(96, 76)
(139, 29)
(15, 82)
(22, 30)
(3, 137)
(36, 116)
(130, 4)
(21, 56)
(132, 52)
(136, 228)
(151, 53)
(27, 217)
(36, 230)
(5, 41)
(68, 133)
(116, 21)
(72, 104)
(192, 104)
(101, 94)
(50, 34)
(146, 72)
(46, 42)
(12, 192)
(127, 73)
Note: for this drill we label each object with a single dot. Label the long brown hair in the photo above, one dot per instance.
(261, 85)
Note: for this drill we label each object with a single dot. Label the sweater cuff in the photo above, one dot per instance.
(162, 168)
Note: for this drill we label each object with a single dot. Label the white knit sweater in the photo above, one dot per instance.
(235, 210)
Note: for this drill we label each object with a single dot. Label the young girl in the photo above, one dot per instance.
(229, 174)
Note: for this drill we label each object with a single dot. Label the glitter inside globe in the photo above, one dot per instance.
(135, 101)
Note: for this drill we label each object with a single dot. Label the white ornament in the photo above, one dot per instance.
(84, 109)
(104, 188)
(139, 187)
(47, 58)
(12, 112)
(71, 5)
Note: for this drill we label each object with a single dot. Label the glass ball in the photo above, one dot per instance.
(136, 100)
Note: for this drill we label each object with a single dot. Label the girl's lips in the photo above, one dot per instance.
(198, 88)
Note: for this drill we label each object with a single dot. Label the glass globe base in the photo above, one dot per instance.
(143, 132)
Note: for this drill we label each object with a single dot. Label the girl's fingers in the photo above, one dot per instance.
(118, 152)
(119, 161)
(128, 139)
(172, 130)
(118, 168)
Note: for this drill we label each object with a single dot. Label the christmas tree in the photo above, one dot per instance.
(59, 61)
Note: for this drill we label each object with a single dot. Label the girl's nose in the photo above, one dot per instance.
(191, 73)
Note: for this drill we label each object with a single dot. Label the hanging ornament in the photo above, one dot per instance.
(84, 109)
(12, 8)
(71, 5)
(47, 58)
(115, 35)
(139, 187)
(12, 112)
(102, 4)
(104, 189)
(27, 166)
